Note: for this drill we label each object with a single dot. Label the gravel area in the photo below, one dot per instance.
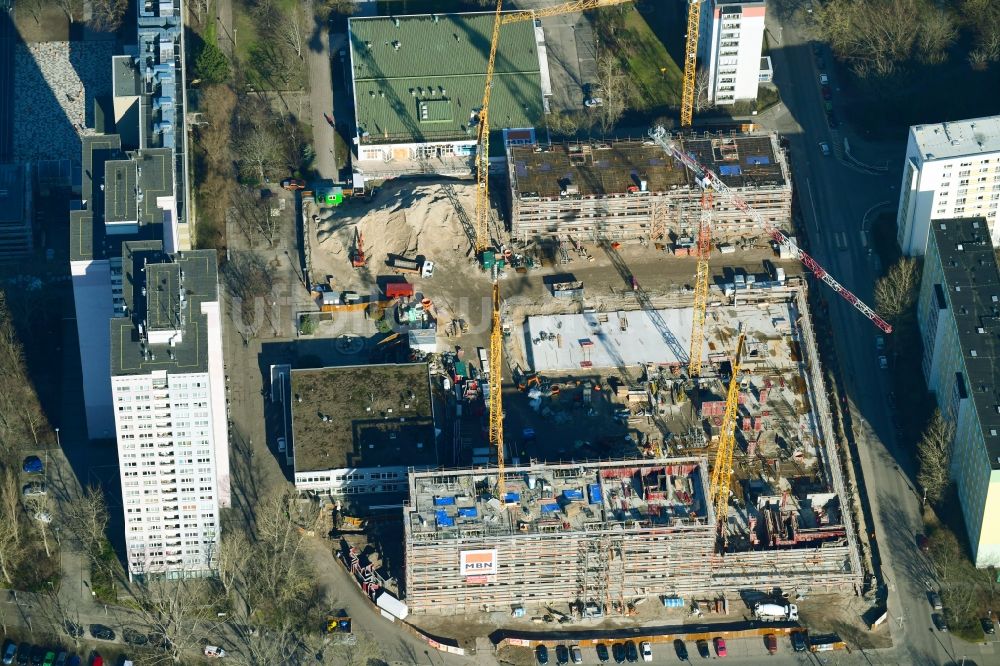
(55, 84)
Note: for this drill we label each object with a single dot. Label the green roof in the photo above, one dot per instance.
(421, 78)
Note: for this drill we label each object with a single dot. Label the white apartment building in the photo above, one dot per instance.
(731, 39)
(951, 170)
(168, 393)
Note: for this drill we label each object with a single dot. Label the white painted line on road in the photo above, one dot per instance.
(864, 239)
(812, 203)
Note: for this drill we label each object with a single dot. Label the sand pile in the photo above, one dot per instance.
(404, 218)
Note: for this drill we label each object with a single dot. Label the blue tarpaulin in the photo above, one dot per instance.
(443, 519)
(758, 160)
(469, 512)
(594, 490)
(444, 501)
(550, 508)
(510, 498)
(573, 495)
(729, 170)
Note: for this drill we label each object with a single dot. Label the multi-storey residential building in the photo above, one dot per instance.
(168, 390)
(959, 317)
(731, 39)
(133, 186)
(951, 170)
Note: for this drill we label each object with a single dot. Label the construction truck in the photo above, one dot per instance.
(776, 612)
(403, 265)
(358, 259)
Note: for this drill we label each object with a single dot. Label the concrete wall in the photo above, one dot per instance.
(94, 309)
(217, 397)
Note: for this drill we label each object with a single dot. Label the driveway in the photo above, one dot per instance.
(321, 99)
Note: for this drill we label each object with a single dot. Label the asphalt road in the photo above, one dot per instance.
(835, 199)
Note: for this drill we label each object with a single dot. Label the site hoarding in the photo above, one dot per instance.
(478, 563)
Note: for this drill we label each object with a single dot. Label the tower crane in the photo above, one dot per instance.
(483, 211)
(690, 62)
(483, 136)
(706, 179)
(722, 472)
(701, 284)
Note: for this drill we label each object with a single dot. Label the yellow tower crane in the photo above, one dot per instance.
(483, 211)
(483, 136)
(496, 403)
(690, 62)
(723, 470)
(701, 284)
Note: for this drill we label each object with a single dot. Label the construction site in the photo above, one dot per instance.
(619, 190)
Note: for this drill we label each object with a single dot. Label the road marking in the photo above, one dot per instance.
(812, 203)
(864, 239)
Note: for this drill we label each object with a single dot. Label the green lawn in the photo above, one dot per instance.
(656, 76)
(269, 63)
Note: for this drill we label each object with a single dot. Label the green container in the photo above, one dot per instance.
(489, 258)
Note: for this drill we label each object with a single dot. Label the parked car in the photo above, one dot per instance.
(575, 654)
(883, 363)
(798, 641)
(9, 652)
(824, 79)
(133, 637)
(562, 654)
(821, 63)
(646, 650)
(37, 655)
(824, 148)
(50, 658)
(720, 647)
(96, 660)
(771, 643)
(100, 632)
(702, 645)
(542, 654)
(602, 653)
(631, 652)
(618, 650)
(214, 652)
(281, 445)
(292, 184)
(34, 489)
(935, 600)
(593, 101)
(831, 119)
(827, 93)
(61, 658)
(33, 465)
(73, 629)
(74, 660)
(879, 346)
(681, 649)
(939, 622)
(23, 654)
(989, 627)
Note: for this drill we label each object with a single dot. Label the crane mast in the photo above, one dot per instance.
(483, 143)
(701, 284)
(556, 10)
(690, 62)
(723, 470)
(496, 403)
(706, 178)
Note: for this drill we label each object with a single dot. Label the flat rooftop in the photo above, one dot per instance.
(120, 189)
(611, 168)
(362, 416)
(163, 293)
(973, 288)
(421, 78)
(956, 139)
(614, 496)
(569, 342)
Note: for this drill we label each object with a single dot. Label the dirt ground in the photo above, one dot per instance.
(46, 24)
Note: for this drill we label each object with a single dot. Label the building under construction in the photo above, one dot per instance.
(604, 535)
(631, 189)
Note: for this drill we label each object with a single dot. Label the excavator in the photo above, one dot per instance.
(358, 259)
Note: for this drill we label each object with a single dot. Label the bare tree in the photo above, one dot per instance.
(86, 518)
(702, 83)
(183, 612)
(292, 29)
(613, 91)
(934, 450)
(254, 215)
(10, 531)
(108, 14)
(937, 33)
(71, 8)
(896, 291)
(259, 150)
(874, 36)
